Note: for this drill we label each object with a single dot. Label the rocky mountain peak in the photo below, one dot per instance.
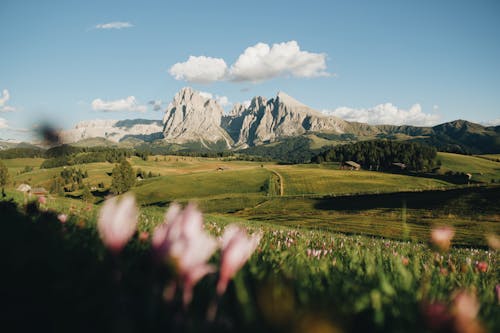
(283, 98)
(194, 117)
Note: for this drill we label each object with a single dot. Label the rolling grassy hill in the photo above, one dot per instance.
(314, 196)
(482, 170)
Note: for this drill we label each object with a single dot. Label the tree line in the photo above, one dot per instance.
(381, 154)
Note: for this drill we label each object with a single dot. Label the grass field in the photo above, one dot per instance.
(310, 195)
(344, 250)
(482, 170)
(300, 180)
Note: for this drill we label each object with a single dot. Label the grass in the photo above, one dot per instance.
(318, 181)
(314, 196)
(352, 284)
(482, 170)
(202, 185)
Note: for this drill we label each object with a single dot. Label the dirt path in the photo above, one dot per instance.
(280, 177)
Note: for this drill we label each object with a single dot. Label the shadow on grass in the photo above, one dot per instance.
(474, 200)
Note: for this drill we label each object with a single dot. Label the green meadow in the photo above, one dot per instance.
(342, 251)
(313, 196)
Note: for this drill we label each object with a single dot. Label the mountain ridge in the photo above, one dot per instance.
(194, 117)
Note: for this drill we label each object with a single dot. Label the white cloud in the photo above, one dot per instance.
(3, 102)
(199, 69)
(257, 63)
(261, 62)
(494, 122)
(126, 104)
(222, 100)
(114, 25)
(3, 123)
(388, 114)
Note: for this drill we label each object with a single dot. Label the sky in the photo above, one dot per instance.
(397, 62)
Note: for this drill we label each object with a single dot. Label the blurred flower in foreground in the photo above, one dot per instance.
(62, 218)
(482, 266)
(49, 134)
(441, 237)
(465, 308)
(493, 241)
(237, 247)
(42, 200)
(182, 239)
(437, 316)
(144, 236)
(117, 222)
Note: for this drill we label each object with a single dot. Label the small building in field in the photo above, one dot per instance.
(24, 188)
(350, 165)
(399, 166)
(39, 191)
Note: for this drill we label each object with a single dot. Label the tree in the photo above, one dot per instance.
(123, 177)
(87, 196)
(4, 175)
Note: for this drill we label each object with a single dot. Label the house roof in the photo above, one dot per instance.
(24, 188)
(353, 164)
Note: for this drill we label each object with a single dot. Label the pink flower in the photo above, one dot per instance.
(117, 222)
(441, 237)
(237, 248)
(465, 308)
(42, 200)
(437, 316)
(482, 266)
(183, 240)
(143, 236)
(493, 241)
(62, 218)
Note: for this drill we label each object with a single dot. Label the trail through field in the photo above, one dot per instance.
(280, 177)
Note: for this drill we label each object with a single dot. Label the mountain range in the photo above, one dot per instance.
(192, 118)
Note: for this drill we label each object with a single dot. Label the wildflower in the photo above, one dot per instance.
(62, 218)
(441, 237)
(143, 236)
(493, 241)
(437, 316)
(405, 261)
(117, 222)
(42, 200)
(237, 247)
(182, 239)
(465, 308)
(482, 266)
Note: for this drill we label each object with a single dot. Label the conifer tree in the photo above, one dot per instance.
(123, 177)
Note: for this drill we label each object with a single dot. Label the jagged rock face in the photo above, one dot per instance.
(192, 117)
(266, 121)
(113, 130)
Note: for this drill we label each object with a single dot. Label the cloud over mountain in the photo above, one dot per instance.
(200, 70)
(257, 63)
(3, 102)
(386, 114)
(125, 104)
(3, 123)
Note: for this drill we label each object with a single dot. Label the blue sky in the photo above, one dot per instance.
(420, 62)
